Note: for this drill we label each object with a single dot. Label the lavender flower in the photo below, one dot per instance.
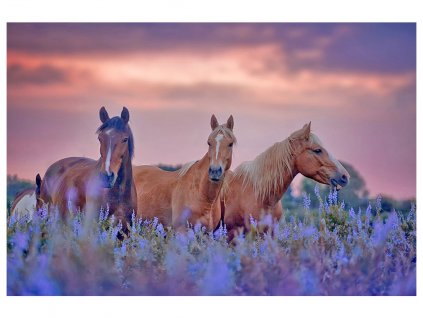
(155, 221)
(352, 214)
(77, 228)
(358, 221)
(378, 203)
(160, 231)
(368, 216)
(301, 255)
(335, 196)
(316, 191)
(306, 201)
(327, 207)
(252, 221)
(101, 217)
(330, 197)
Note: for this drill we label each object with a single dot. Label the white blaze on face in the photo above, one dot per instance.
(109, 154)
(26, 204)
(218, 138)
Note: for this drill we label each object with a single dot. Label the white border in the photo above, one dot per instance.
(201, 11)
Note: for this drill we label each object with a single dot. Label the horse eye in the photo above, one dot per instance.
(317, 151)
(125, 140)
(208, 142)
(231, 144)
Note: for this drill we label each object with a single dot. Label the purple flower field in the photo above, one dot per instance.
(329, 251)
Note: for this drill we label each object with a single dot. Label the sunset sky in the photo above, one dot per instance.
(354, 82)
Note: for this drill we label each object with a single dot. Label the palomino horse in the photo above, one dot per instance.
(191, 194)
(88, 184)
(256, 187)
(27, 201)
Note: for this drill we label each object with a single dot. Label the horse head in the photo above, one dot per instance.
(220, 144)
(314, 161)
(116, 144)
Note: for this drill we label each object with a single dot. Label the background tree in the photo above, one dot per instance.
(167, 167)
(289, 201)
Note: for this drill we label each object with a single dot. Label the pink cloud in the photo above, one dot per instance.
(171, 96)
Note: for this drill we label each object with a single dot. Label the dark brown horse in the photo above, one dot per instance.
(82, 183)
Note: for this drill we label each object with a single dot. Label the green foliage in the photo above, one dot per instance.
(167, 167)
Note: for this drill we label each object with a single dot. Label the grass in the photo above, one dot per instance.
(325, 251)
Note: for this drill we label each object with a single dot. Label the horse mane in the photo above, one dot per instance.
(118, 124)
(266, 172)
(184, 169)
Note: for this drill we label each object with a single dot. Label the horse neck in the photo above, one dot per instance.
(122, 188)
(207, 189)
(124, 180)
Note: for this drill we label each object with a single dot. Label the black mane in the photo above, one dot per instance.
(118, 124)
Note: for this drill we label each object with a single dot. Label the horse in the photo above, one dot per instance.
(191, 194)
(86, 184)
(28, 200)
(255, 188)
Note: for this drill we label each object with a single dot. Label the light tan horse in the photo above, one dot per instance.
(256, 187)
(191, 194)
(82, 183)
(27, 201)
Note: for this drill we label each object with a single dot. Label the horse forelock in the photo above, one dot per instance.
(222, 129)
(267, 171)
(119, 124)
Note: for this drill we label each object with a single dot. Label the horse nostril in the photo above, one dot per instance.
(344, 179)
(215, 173)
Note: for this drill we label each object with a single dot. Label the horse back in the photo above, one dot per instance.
(63, 176)
(154, 188)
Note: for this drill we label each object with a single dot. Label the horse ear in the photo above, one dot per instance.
(307, 130)
(125, 115)
(213, 122)
(230, 123)
(38, 180)
(104, 116)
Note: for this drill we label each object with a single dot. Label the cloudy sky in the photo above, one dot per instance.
(354, 82)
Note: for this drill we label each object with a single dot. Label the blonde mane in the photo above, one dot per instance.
(184, 169)
(266, 172)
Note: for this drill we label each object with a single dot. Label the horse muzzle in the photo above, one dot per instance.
(108, 180)
(340, 181)
(215, 173)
